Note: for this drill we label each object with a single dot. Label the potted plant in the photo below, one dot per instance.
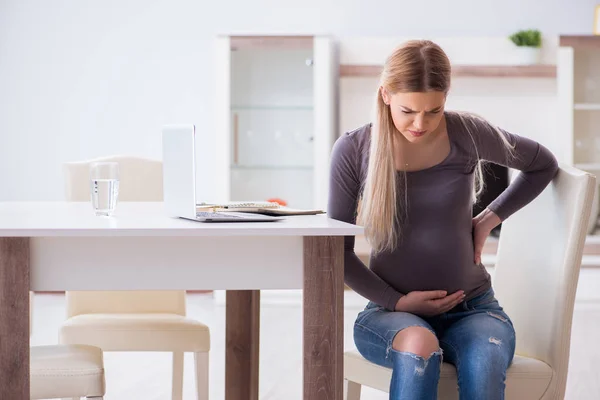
(528, 45)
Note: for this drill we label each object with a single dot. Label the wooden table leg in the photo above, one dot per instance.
(242, 339)
(323, 317)
(14, 318)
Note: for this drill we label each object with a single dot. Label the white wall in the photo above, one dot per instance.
(81, 79)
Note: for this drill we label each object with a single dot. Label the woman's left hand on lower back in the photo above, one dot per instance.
(482, 226)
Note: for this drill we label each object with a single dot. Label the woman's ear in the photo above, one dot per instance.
(385, 95)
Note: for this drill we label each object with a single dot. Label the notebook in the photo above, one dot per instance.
(257, 207)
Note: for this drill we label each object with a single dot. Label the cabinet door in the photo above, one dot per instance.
(278, 143)
(586, 120)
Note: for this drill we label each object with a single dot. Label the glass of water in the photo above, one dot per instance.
(104, 187)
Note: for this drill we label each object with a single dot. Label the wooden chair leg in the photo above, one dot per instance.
(351, 390)
(202, 376)
(177, 384)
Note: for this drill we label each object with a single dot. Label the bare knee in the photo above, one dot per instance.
(416, 340)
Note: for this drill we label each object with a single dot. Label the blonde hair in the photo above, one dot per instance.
(416, 66)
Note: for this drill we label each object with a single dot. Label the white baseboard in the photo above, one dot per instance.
(588, 291)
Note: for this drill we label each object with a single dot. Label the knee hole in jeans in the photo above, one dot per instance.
(417, 340)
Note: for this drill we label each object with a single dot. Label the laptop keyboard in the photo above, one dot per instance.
(213, 215)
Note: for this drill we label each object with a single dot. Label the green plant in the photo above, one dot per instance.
(529, 37)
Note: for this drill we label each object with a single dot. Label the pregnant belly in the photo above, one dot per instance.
(448, 266)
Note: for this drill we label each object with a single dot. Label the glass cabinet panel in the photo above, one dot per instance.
(272, 123)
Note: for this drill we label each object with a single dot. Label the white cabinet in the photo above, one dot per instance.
(579, 100)
(579, 106)
(276, 118)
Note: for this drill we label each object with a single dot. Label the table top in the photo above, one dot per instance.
(47, 219)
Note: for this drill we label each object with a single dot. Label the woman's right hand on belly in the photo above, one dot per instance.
(429, 303)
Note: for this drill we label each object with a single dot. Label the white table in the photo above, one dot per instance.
(63, 246)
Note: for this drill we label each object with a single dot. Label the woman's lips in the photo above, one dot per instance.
(417, 133)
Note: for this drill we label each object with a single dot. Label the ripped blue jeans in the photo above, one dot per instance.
(476, 336)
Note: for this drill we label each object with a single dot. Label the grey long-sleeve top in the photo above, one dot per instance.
(435, 251)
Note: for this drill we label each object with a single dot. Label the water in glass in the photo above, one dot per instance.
(104, 187)
(105, 193)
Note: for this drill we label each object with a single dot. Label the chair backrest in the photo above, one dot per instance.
(125, 302)
(537, 270)
(140, 180)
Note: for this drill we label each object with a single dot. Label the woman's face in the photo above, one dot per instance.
(416, 114)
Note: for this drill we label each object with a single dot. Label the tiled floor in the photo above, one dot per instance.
(147, 376)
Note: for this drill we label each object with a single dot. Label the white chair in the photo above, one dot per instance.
(135, 320)
(535, 279)
(65, 371)
(595, 213)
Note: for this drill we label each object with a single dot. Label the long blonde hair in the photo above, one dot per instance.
(416, 66)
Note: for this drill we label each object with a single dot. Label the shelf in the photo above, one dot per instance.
(269, 108)
(587, 166)
(482, 71)
(272, 167)
(271, 42)
(506, 71)
(360, 70)
(580, 41)
(587, 106)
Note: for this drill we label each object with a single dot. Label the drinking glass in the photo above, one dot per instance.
(104, 187)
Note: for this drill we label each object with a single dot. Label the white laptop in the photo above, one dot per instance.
(179, 179)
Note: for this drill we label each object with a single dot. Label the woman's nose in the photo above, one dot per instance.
(418, 122)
